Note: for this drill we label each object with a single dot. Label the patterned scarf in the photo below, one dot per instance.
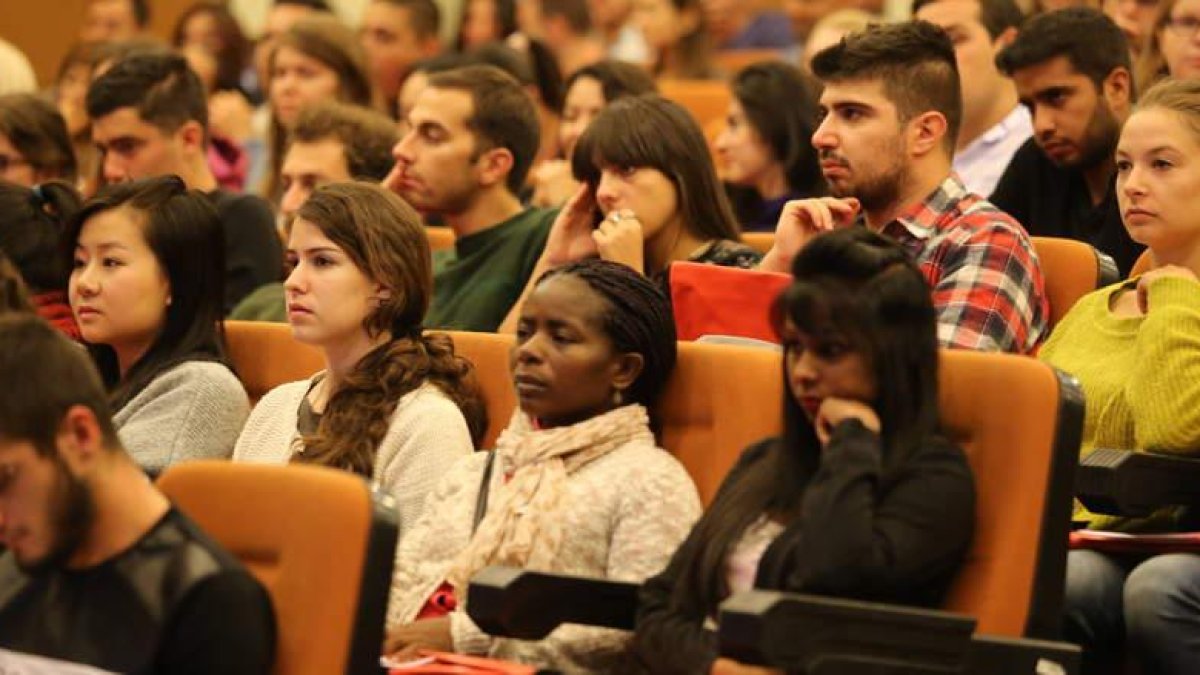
(523, 526)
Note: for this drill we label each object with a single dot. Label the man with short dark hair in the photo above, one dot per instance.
(100, 568)
(395, 34)
(995, 124)
(150, 118)
(114, 20)
(1072, 70)
(473, 134)
(892, 110)
(331, 143)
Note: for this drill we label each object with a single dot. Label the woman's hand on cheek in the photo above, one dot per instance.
(404, 641)
(834, 411)
(619, 239)
(571, 234)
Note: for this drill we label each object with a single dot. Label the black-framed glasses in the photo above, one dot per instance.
(1183, 26)
(8, 161)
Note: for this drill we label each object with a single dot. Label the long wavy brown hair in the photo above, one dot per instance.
(384, 238)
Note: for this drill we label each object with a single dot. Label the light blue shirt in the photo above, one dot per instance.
(981, 163)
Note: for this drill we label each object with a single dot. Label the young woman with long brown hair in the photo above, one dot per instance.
(392, 404)
(317, 59)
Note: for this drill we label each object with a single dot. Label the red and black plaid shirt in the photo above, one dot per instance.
(987, 284)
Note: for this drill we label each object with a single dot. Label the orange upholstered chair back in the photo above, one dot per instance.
(317, 540)
(1143, 264)
(1072, 270)
(760, 241)
(440, 238)
(265, 355)
(720, 399)
(489, 352)
(706, 100)
(733, 60)
(1019, 424)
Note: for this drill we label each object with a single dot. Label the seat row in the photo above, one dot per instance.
(328, 566)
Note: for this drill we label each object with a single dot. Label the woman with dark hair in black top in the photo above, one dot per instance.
(861, 497)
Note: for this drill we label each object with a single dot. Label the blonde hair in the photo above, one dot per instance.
(1181, 97)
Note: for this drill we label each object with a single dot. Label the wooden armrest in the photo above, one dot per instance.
(1135, 484)
(513, 602)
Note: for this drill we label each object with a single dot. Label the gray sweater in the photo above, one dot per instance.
(192, 411)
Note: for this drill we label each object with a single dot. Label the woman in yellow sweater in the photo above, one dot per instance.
(1135, 347)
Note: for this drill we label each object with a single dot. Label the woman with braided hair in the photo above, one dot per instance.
(576, 484)
(392, 404)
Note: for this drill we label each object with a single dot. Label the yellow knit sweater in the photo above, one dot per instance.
(1140, 375)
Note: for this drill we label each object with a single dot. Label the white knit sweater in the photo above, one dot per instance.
(623, 516)
(426, 436)
(194, 410)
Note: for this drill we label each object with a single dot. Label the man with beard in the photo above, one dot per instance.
(100, 568)
(892, 108)
(1072, 71)
(473, 134)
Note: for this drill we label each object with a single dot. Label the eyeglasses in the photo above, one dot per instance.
(8, 161)
(1184, 26)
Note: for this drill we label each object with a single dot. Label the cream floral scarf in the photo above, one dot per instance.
(522, 527)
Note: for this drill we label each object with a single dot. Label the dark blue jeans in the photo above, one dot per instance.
(1151, 606)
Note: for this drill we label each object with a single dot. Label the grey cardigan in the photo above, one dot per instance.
(194, 410)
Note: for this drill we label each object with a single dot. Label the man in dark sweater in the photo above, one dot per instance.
(150, 118)
(100, 568)
(1072, 71)
(473, 134)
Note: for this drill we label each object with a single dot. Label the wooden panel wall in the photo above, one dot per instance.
(46, 29)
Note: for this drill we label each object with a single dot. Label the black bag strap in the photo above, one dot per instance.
(485, 485)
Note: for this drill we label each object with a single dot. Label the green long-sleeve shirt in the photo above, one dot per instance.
(477, 282)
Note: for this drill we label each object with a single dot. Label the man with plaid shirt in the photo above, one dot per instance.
(891, 111)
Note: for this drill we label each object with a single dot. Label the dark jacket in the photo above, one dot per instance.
(899, 540)
(1050, 201)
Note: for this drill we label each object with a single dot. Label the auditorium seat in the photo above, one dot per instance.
(490, 353)
(706, 100)
(1019, 421)
(319, 541)
(264, 355)
(760, 241)
(440, 238)
(732, 60)
(1143, 264)
(1072, 269)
